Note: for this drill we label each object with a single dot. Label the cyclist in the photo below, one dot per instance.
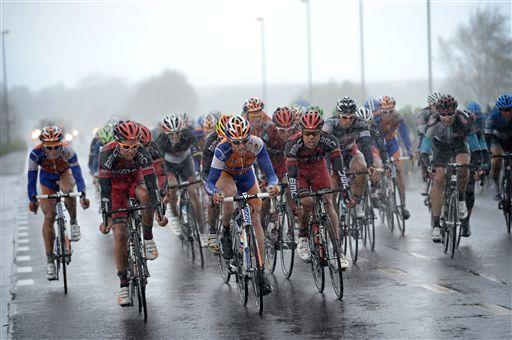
(449, 133)
(59, 172)
(498, 134)
(146, 140)
(200, 132)
(177, 143)
(231, 172)
(121, 164)
(305, 162)
(389, 122)
(355, 139)
(210, 144)
(253, 112)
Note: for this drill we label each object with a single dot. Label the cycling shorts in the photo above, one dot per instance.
(122, 189)
(314, 175)
(184, 170)
(441, 153)
(505, 144)
(393, 148)
(245, 182)
(50, 180)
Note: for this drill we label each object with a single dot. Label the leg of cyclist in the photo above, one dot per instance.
(171, 181)
(66, 185)
(141, 192)
(496, 168)
(48, 208)
(213, 215)
(121, 258)
(394, 152)
(470, 202)
(358, 164)
(437, 201)
(227, 186)
(462, 181)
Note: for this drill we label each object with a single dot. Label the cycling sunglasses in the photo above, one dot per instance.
(446, 113)
(285, 129)
(129, 147)
(173, 133)
(240, 142)
(52, 148)
(506, 110)
(311, 133)
(347, 117)
(386, 111)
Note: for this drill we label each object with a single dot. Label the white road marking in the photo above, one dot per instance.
(22, 234)
(21, 228)
(495, 309)
(28, 282)
(24, 270)
(23, 249)
(420, 256)
(22, 240)
(438, 289)
(22, 223)
(392, 271)
(22, 258)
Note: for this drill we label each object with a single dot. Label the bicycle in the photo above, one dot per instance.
(247, 263)
(190, 235)
(393, 199)
(506, 189)
(138, 272)
(61, 256)
(369, 219)
(323, 244)
(280, 235)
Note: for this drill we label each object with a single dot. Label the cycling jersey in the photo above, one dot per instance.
(498, 130)
(307, 166)
(94, 151)
(258, 122)
(52, 169)
(178, 156)
(239, 167)
(421, 123)
(275, 148)
(118, 176)
(210, 143)
(158, 163)
(389, 124)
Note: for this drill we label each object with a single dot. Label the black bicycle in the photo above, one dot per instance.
(138, 272)
(323, 244)
(190, 229)
(506, 189)
(280, 235)
(393, 202)
(61, 255)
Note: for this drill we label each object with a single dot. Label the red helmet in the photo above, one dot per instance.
(311, 120)
(126, 129)
(283, 117)
(253, 105)
(51, 134)
(145, 134)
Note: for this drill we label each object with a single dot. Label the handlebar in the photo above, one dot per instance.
(503, 155)
(184, 184)
(399, 159)
(129, 209)
(320, 192)
(245, 197)
(59, 195)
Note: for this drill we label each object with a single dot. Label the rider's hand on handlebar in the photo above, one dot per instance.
(85, 202)
(218, 197)
(33, 206)
(106, 229)
(273, 190)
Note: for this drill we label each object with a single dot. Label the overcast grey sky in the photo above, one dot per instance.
(217, 42)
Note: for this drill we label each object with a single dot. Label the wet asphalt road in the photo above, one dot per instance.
(406, 288)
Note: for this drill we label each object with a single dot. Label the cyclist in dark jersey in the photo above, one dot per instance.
(449, 133)
(121, 163)
(305, 162)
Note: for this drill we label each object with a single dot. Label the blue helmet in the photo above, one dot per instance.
(200, 121)
(504, 101)
(372, 104)
(474, 107)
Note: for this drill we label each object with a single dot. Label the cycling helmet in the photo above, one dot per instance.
(51, 134)
(106, 134)
(112, 121)
(238, 128)
(126, 129)
(446, 104)
(172, 123)
(185, 118)
(474, 107)
(312, 120)
(253, 104)
(209, 123)
(200, 121)
(433, 97)
(216, 114)
(220, 127)
(504, 101)
(372, 104)
(387, 103)
(346, 105)
(364, 114)
(145, 134)
(283, 117)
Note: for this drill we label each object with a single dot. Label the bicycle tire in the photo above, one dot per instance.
(287, 240)
(62, 255)
(256, 270)
(224, 265)
(317, 267)
(332, 250)
(506, 203)
(399, 213)
(196, 238)
(241, 278)
(370, 217)
(354, 236)
(453, 217)
(271, 241)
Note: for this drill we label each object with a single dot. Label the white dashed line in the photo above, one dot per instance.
(22, 234)
(28, 282)
(392, 271)
(21, 228)
(438, 289)
(495, 309)
(22, 258)
(23, 249)
(420, 256)
(22, 240)
(22, 223)
(24, 270)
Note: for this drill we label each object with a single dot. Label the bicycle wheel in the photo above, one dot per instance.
(62, 255)
(287, 241)
(271, 225)
(506, 196)
(241, 277)
(453, 217)
(317, 267)
(196, 238)
(398, 205)
(332, 253)
(256, 270)
(370, 222)
(353, 237)
(224, 265)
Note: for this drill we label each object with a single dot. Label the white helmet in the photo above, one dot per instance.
(433, 97)
(364, 114)
(172, 123)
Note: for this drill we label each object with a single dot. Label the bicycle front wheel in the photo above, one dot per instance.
(287, 241)
(256, 270)
(353, 236)
(62, 255)
(271, 225)
(399, 206)
(332, 253)
(453, 217)
(506, 196)
(317, 258)
(196, 239)
(241, 277)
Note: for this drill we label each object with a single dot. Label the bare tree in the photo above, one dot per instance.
(478, 57)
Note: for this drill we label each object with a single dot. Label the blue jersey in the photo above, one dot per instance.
(498, 127)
